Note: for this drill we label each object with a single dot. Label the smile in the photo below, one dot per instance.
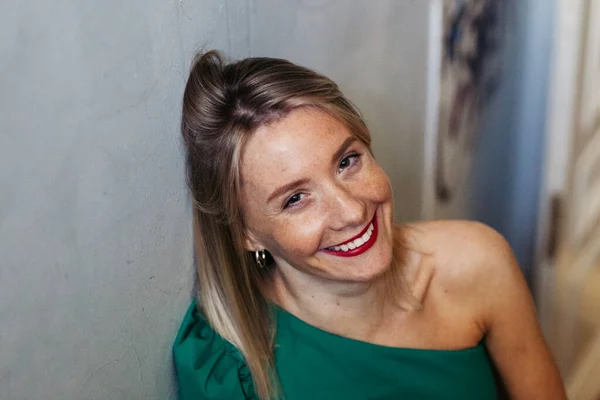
(358, 244)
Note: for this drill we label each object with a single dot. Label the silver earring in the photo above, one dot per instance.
(260, 258)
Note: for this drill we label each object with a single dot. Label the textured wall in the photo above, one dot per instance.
(95, 237)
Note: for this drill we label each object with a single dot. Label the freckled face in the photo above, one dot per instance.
(311, 190)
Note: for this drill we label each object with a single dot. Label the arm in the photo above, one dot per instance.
(514, 338)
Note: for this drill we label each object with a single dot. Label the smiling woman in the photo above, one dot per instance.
(336, 196)
(307, 287)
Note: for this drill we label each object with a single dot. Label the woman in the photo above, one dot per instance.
(308, 289)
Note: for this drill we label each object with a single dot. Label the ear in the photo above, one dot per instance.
(251, 243)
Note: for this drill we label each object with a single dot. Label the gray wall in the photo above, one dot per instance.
(95, 238)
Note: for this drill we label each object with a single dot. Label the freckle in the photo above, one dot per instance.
(337, 303)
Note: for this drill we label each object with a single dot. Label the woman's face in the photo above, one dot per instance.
(315, 198)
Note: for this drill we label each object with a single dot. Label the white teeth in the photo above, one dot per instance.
(366, 236)
(356, 242)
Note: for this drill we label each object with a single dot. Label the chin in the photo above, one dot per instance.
(375, 266)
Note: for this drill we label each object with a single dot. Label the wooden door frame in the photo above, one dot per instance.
(568, 89)
(562, 108)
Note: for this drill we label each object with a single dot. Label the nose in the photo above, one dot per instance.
(347, 208)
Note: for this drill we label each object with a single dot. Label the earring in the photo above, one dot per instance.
(260, 258)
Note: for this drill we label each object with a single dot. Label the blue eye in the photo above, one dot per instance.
(295, 198)
(349, 161)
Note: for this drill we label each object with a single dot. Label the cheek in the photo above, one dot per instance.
(295, 239)
(376, 185)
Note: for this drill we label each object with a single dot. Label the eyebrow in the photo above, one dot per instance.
(295, 184)
(286, 188)
(343, 148)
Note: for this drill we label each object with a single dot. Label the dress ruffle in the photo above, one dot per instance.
(208, 366)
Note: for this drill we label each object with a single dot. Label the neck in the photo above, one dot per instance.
(352, 309)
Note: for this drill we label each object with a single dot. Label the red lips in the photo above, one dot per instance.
(361, 249)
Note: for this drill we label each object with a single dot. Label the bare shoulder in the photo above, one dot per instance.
(479, 283)
(472, 261)
(449, 233)
(469, 244)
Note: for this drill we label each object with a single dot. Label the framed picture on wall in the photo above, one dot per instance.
(472, 62)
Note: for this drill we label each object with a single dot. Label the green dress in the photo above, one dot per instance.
(314, 364)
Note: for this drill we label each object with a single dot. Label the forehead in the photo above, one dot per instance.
(290, 147)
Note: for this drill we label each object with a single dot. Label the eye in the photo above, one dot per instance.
(293, 200)
(348, 161)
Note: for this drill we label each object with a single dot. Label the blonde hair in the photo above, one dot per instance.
(222, 105)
